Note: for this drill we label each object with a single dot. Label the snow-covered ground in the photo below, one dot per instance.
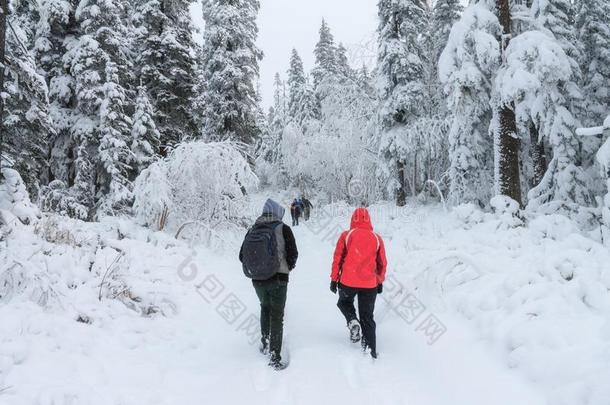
(476, 310)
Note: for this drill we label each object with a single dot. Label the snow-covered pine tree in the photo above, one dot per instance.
(466, 67)
(261, 118)
(114, 154)
(309, 112)
(400, 69)
(145, 138)
(444, 15)
(365, 80)
(342, 63)
(280, 102)
(433, 124)
(564, 185)
(325, 55)
(269, 163)
(27, 124)
(558, 16)
(230, 66)
(96, 58)
(540, 101)
(166, 65)
(302, 105)
(296, 84)
(593, 24)
(55, 29)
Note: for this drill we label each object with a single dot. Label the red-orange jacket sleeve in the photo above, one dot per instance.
(338, 257)
(382, 262)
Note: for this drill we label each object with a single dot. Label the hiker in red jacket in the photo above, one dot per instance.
(359, 267)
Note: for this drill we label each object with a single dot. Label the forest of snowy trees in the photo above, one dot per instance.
(471, 102)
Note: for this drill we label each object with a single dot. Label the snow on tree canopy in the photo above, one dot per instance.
(466, 66)
(536, 67)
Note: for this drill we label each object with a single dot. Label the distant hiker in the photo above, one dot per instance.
(296, 209)
(307, 207)
(268, 254)
(359, 267)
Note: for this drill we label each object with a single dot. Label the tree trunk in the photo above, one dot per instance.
(508, 142)
(538, 155)
(401, 196)
(3, 14)
(415, 175)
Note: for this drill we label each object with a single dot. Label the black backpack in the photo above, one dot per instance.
(260, 257)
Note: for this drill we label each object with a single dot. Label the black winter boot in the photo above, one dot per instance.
(276, 363)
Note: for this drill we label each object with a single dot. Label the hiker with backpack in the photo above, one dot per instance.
(358, 270)
(307, 207)
(268, 254)
(296, 209)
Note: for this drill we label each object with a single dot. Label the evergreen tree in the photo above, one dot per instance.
(230, 65)
(55, 30)
(343, 67)
(280, 103)
(308, 112)
(27, 125)
(95, 60)
(400, 69)
(444, 15)
(145, 138)
(114, 154)
(269, 156)
(593, 26)
(166, 65)
(297, 86)
(261, 118)
(365, 81)
(466, 68)
(564, 185)
(325, 55)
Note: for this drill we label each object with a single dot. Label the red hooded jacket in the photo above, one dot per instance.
(359, 260)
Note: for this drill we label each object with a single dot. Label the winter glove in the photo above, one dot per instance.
(379, 288)
(333, 287)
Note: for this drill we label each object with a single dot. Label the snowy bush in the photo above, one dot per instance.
(152, 195)
(197, 182)
(57, 198)
(470, 214)
(507, 210)
(15, 199)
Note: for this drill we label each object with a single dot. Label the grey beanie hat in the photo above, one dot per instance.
(274, 209)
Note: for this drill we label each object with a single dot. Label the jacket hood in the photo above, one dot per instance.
(273, 209)
(361, 219)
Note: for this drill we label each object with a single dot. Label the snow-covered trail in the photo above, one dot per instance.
(203, 356)
(325, 368)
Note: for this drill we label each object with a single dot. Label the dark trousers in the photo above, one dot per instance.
(366, 307)
(272, 296)
(295, 220)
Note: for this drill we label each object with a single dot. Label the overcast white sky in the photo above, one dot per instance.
(284, 24)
